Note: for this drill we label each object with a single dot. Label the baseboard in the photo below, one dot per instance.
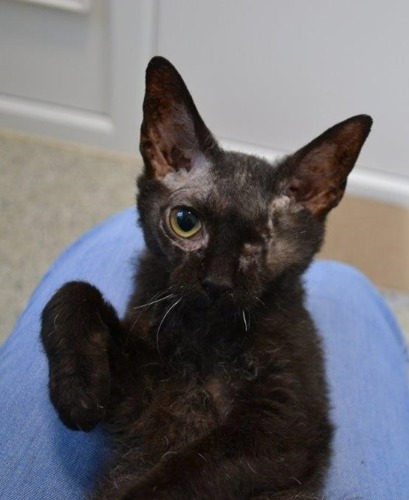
(53, 114)
(70, 5)
(379, 186)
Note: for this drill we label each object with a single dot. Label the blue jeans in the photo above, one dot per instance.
(366, 364)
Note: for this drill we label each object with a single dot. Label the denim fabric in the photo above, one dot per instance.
(367, 366)
(366, 363)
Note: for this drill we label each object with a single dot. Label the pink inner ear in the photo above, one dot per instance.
(322, 167)
(316, 198)
(300, 189)
(158, 165)
(172, 133)
(318, 184)
(168, 138)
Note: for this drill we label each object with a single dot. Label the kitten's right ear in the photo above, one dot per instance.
(173, 134)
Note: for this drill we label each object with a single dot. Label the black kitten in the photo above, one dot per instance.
(213, 386)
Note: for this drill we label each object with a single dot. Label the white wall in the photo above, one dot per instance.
(267, 75)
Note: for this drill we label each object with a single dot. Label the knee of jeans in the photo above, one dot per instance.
(330, 277)
(350, 287)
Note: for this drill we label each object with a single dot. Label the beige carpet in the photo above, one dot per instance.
(50, 194)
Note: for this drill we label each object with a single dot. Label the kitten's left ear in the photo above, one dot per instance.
(320, 169)
(173, 134)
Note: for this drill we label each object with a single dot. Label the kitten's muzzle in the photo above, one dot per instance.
(216, 287)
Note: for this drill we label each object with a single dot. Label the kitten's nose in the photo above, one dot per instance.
(216, 287)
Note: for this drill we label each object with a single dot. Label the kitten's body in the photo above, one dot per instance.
(213, 385)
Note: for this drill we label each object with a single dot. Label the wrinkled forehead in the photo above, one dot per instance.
(238, 184)
(197, 178)
(246, 185)
(191, 188)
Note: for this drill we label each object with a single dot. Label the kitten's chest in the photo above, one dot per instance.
(177, 410)
(186, 409)
(180, 396)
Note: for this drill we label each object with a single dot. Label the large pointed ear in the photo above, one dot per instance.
(173, 135)
(320, 169)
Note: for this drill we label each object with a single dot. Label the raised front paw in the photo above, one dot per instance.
(79, 401)
(76, 327)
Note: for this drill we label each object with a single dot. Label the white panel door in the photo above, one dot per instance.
(77, 75)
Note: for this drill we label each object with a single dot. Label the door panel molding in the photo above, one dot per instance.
(126, 61)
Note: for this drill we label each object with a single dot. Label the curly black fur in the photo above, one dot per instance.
(213, 385)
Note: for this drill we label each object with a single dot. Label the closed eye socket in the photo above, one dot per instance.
(184, 222)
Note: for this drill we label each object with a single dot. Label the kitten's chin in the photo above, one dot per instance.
(202, 303)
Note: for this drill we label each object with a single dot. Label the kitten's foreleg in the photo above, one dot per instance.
(77, 329)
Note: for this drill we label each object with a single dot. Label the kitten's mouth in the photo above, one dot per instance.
(203, 302)
(221, 303)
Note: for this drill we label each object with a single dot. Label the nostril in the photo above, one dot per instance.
(215, 288)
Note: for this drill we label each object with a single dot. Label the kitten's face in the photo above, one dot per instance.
(227, 229)
(227, 225)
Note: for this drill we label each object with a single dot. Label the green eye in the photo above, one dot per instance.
(184, 222)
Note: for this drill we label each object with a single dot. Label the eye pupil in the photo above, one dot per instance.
(186, 220)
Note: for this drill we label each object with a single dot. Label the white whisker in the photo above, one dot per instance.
(171, 295)
(259, 300)
(246, 324)
(163, 319)
(155, 299)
